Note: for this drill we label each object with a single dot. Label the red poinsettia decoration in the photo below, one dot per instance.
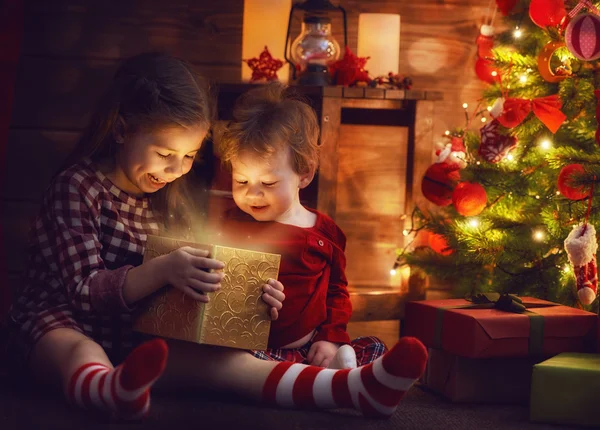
(349, 70)
(265, 66)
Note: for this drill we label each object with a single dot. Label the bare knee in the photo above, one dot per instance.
(59, 353)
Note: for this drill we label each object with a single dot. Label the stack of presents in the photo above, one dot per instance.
(504, 349)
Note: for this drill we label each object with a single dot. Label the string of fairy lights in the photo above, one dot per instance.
(544, 143)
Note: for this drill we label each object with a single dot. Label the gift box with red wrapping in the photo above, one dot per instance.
(480, 330)
(505, 380)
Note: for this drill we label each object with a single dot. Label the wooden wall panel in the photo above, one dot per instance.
(42, 154)
(370, 200)
(17, 220)
(64, 96)
(205, 32)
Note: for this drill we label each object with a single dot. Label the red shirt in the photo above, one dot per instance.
(312, 270)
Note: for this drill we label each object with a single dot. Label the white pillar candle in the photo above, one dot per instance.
(379, 38)
(265, 24)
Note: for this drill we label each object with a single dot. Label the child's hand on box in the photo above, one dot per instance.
(188, 271)
(273, 296)
(321, 353)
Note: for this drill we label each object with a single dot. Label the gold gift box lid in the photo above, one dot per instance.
(235, 316)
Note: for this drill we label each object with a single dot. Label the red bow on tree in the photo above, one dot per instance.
(547, 109)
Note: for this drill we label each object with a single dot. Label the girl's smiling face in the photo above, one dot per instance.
(147, 161)
(267, 188)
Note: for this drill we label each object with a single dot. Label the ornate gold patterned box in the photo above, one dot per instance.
(236, 316)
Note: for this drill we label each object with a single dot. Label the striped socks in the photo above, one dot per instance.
(125, 390)
(375, 389)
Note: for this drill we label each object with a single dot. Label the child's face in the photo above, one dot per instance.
(267, 188)
(147, 161)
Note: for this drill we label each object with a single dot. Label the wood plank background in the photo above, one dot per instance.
(71, 49)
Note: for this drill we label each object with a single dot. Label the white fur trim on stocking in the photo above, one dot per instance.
(581, 249)
(586, 295)
(497, 108)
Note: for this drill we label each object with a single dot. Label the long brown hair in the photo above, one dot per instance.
(151, 91)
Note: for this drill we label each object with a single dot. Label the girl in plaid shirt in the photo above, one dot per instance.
(72, 318)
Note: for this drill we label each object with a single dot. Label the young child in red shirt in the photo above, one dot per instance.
(272, 148)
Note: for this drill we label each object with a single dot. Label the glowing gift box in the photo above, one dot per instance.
(235, 316)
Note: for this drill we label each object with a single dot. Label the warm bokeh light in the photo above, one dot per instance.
(474, 222)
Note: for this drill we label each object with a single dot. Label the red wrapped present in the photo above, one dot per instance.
(479, 380)
(485, 329)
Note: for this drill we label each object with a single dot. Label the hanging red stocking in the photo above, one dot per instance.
(484, 65)
(581, 247)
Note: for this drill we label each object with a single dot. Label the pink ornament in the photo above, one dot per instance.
(495, 146)
(583, 37)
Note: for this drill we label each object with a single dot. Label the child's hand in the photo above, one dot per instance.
(187, 271)
(273, 295)
(321, 353)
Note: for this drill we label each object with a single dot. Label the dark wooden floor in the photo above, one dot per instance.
(21, 409)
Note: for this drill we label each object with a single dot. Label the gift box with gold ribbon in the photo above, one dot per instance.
(235, 316)
(494, 325)
(564, 390)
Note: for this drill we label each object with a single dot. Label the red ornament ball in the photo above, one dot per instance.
(583, 36)
(438, 243)
(469, 198)
(565, 179)
(438, 183)
(484, 68)
(546, 13)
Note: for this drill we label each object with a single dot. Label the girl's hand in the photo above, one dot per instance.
(187, 270)
(273, 295)
(321, 353)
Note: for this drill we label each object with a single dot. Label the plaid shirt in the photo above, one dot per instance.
(86, 237)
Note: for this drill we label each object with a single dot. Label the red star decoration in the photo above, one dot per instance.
(265, 66)
(349, 70)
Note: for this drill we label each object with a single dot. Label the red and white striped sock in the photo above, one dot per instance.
(375, 389)
(124, 390)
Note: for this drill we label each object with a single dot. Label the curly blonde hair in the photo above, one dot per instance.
(268, 119)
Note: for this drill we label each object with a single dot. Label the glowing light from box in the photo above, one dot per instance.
(379, 38)
(265, 24)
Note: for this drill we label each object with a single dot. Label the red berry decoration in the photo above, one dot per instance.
(469, 198)
(439, 181)
(545, 13)
(438, 243)
(565, 182)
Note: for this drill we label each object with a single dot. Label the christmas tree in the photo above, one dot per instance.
(515, 194)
